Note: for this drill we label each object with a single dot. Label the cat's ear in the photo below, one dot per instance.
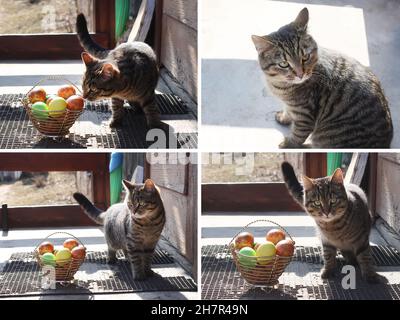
(308, 183)
(128, 185)
(337, 176)
(302, 19)
(88, 59)
(149, 185)
(109, 71)
(262, 44)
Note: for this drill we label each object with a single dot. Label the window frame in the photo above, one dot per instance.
(258, 197)
(57, 215)
(62, 45)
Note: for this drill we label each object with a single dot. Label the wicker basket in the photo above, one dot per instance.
(52, 126)
(65, 269)
(260, 271)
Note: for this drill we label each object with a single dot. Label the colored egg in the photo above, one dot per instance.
(48, 259)
(247, 257)
(63, 256)
(57, 107)
(266, 252)
(40, 111)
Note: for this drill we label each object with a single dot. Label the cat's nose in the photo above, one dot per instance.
(299, 72)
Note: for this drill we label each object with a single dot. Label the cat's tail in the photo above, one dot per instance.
(292, 184)
(94, 213)
(86, 40)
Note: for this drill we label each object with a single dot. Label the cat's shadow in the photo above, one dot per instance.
(257, 293)
(57, 143)
(122, 270)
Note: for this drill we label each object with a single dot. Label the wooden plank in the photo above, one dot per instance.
(170, 174)
(393, 157)
(162, 85)
(143, 20)
(241, 197)
(158, 26)
(130, 162)
(176, 209)
(47, 46)
(184, 11)
(391, 236)
(372, 181)
(176, 88)
(356, 169)
(191, 220)
(179, 53)
(387, 197)
(47, 217)
(34, 162)
(101, 183)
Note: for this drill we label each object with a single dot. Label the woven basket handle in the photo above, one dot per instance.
(261, 220)
(60, 232)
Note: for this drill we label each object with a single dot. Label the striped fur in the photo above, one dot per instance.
(332, 97)
(127, 73)
(342, 217)
(133, 226)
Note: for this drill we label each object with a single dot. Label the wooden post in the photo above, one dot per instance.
(4, 218)
(158, 29)
(105, 19)
(372, 170)
(315, 165)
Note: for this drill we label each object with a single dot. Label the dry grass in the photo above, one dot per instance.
(23, 17)
(264, 168)
(53, 188)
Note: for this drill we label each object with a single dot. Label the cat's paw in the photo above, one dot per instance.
(150, 273)
(113, 260)
(139, 276)
(327, 273)
(373, 278)
(289, 144)
(158, 125)
(116, 123)
(283, 118)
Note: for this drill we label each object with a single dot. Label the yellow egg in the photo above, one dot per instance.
(63, 256)
(57, 107)
(265, 252)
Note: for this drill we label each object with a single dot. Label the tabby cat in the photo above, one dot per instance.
(133, 226)
(129, 72)
(342, 217)
(331, 96)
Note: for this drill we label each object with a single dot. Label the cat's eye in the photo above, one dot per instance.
(317, 203)
(284, 64)
(333, 200)
(306, 57)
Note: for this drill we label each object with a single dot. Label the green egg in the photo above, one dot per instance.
(40, 111)
(48, 259)
(247, 257)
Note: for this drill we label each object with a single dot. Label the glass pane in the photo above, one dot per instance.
(19, 188)
(43, 16)
(241, 167)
